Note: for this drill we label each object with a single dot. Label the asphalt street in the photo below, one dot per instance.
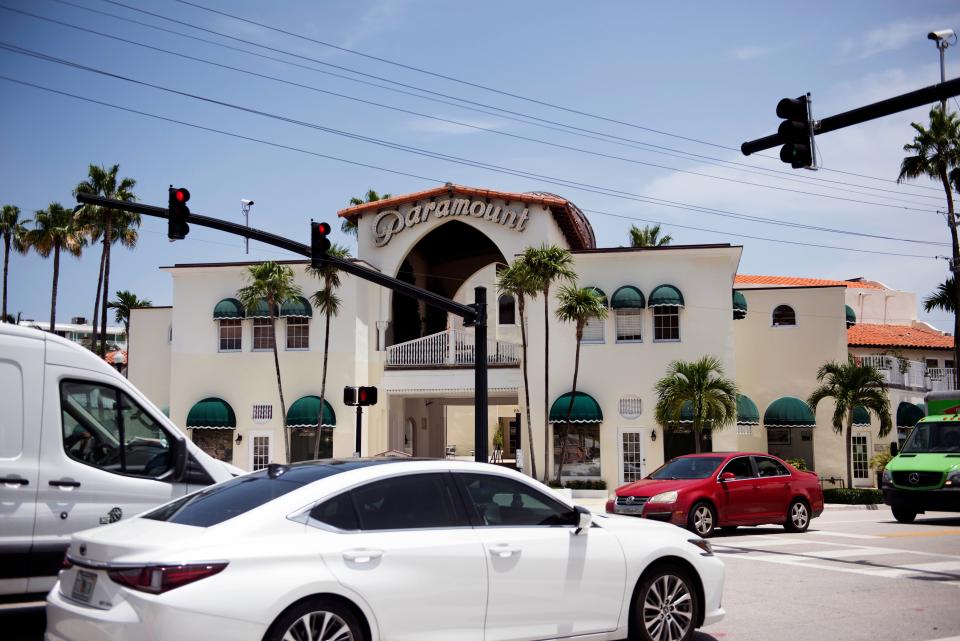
(856, 574)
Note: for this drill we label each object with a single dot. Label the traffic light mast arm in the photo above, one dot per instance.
(918, 98)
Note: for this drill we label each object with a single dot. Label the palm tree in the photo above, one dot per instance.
(517, 281)
(701, 385)
(12, 229)
(648, 236)
(850, 385)
(55, 230)
(942, 297)
(349, 225)
(111, 226)
(547, 264)
(576, 305)
(328, 303)
(936, 155)
(125, 302)
(272, 282)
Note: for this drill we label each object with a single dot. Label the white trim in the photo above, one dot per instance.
(251, 440)
(644, 435)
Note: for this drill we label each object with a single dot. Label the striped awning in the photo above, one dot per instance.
(585, 409)
(789, 411)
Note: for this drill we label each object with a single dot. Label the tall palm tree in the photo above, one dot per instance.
(328, 303)
(349, 226)
(547, 265)
(13, 230)
(936, 155)
(648, 236)
(850, 385)
(55, 230)
(111, 226)
(273, 283)
(576, 305)
(517, 281)
(942, 297)
(702, 384)
(126, 301)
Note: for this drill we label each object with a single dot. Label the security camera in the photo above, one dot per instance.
(943, 34)
(246, 202)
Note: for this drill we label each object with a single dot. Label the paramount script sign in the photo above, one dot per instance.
(391, 222)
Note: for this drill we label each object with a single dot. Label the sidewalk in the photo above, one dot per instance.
(599, 505)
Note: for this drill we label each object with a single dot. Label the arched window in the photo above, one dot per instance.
(507, 314)
(784, 315)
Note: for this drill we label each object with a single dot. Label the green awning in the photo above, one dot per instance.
(851, 317)
(599, 292)
(628, 297)
(789, 411)
(261, 310)
(585, 409)
(861, 417)
(306, 409)
(739, 305)
(297, 306)
(212, 412)
(686, 412)
(228, 308)
(666, 296)
(747, 412)
(908, 414)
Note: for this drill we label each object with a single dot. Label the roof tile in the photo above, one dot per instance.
(868, 335)
(793, 281)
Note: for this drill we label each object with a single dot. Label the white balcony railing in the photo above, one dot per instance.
(912, 374)
(450, 348)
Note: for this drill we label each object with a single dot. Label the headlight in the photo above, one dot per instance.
(887, 477)
(665, 497)
(703, 545)
(953, 477)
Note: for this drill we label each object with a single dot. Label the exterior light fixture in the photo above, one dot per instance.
(239, 438)
(653, 436)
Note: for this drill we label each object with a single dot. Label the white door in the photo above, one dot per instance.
(545, 581)
(632, 454)
(415, 559)
(861, 460)
(21, 397)
(261, 449)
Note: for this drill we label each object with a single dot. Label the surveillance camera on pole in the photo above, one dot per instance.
(245, 205)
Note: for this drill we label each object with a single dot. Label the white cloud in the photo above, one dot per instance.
(893, 36)
(750, 53)
(380, 17)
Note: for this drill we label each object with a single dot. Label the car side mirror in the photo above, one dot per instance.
(583, 518)
(727, 476)
(179, 452)
(893, 448)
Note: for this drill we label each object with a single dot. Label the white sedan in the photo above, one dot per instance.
(383, 550)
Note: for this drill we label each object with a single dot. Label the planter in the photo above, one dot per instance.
(589, 494)
(564, 492)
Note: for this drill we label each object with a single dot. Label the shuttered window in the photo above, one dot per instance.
(593, 331)
(629, 324)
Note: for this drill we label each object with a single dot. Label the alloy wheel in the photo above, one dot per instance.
(703, 520)
(799, 515)
(319, 626)
(668, 609)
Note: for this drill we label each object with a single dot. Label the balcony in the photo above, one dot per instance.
(912, 375)
(450, 348)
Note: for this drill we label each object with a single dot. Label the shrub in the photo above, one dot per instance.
(554, 484)
(853, 496)
(798, 463)
(587, 485)
(880, 460)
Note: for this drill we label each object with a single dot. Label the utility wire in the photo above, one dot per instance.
(706, 159)
(371, 166)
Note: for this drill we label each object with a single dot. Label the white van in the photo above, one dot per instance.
(79, 447)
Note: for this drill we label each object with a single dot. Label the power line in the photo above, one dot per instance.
(567, 128)
(353, 162)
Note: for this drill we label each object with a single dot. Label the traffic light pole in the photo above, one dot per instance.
(918, 98)
(359, 426)
(473, 315)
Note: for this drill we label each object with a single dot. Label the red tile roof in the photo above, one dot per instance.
(867, 335)
(792, 281)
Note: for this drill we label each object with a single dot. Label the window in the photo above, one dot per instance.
(231, 333)
(666, 323)
(260, 452)
(218, 443)
(262, 334)
(337, 512)
(408, 502)
(104, 428)
(298, 332)
(740, 467)
(507, 311)
(861, 467)
(770, 467)
(593, 330)
(11, 409)
(948, 363)
(499, 501)
(932, 362)
(784, 315)
(581, 457)
(629, 323)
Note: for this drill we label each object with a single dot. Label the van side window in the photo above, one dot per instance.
(105, 428)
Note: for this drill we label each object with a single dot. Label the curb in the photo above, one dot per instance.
(831, 507)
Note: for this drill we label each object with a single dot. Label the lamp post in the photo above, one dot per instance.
(942, 40)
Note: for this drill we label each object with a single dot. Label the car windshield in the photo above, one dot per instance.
(934, 437)
(693, 467)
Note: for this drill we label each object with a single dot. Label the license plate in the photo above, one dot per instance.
(628, 509)
(83, 586)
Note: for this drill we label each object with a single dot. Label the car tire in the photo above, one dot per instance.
(904, 516)
(702, 519)
(798, 516)
(667, 596)
(326, 619)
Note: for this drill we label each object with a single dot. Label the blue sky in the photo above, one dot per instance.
(703, 70)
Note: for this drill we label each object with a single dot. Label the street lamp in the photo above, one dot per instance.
(245, 205)
(942, 39)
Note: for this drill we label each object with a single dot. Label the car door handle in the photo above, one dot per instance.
(362, 555)
(65, 483)
(13, 480)
(504, 550)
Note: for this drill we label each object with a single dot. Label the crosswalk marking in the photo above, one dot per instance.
(852, 553)
(845, 535)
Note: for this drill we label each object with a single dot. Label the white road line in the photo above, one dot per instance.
(773, 542)
(845, 535)
(758, 544)
(851, 553)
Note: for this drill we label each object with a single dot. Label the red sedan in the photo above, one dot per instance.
(703, 492)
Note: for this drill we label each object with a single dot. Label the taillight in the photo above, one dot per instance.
(156, 579)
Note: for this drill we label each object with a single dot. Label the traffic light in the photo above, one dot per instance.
(319, 243)
(796, 131)
(362, 396)
(178, 213)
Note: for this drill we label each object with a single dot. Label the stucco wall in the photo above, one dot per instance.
(148, 366)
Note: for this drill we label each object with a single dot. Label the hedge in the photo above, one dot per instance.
(579, 484)
(854, 496)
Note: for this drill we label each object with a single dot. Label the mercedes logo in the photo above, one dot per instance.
(914, 478)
